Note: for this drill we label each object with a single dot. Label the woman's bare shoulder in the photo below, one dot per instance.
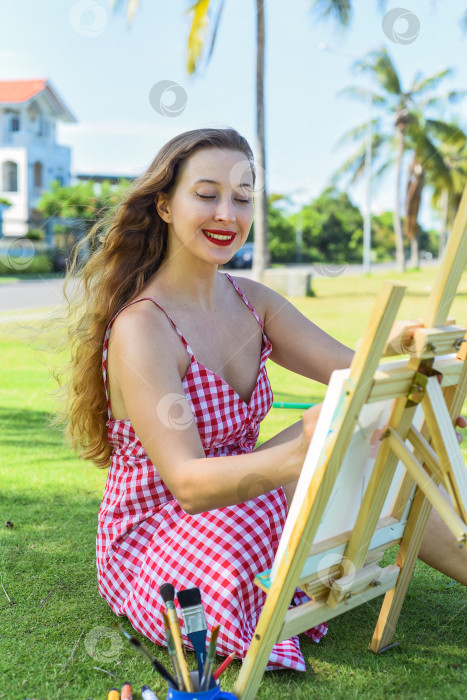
(261, 297)
(144, 324)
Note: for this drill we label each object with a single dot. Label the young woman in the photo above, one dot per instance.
(169, 386)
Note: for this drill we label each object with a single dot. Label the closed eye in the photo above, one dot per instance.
(212, 196)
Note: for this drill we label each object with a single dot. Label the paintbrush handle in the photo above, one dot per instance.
(206, 679)
(177, 637)
(207, 672)
(172, 652)
(160, 668)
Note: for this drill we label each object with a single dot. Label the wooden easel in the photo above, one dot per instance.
(439, 386)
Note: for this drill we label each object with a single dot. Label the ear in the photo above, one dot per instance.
(163, 208)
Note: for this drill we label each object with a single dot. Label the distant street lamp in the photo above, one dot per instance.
(367, 217)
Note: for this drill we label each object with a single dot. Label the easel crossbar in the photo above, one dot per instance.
(310, 614)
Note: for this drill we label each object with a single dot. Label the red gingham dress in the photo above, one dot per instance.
(145, 539)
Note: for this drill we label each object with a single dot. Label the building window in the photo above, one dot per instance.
(14, 122)
(10, 176)
(38, 174)
(44, 127)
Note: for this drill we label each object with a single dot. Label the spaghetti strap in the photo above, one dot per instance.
(175, 327)
(250, 306)
(107, 336)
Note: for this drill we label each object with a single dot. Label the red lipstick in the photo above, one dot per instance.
(223, 241)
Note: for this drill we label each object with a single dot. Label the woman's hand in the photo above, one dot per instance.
(310, 418)
(461, 422)
(401, 336)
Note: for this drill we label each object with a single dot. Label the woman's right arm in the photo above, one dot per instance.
(146, 360)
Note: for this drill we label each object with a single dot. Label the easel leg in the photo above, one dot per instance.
(406, 558)
(264, 638)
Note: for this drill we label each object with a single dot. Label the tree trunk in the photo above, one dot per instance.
(415, 184)
(261, 250)
(400, 256)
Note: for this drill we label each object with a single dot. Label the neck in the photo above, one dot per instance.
(188, 280)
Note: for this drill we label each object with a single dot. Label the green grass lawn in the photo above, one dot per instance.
(57, 639)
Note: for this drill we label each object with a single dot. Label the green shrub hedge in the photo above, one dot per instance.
(39, 264)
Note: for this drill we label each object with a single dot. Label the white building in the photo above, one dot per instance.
(30, 158)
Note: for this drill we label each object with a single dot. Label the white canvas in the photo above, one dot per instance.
(349, 488)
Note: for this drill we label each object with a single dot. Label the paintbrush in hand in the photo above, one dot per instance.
(195, 623)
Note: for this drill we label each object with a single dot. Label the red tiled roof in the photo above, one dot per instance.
(20, 90)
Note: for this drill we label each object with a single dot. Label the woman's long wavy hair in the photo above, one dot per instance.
(129, 244)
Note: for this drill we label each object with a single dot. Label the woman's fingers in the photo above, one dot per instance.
(401, 335)
(461, 422)
(310, 418)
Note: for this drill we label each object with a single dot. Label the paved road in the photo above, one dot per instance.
(30, 294)
(35, 294)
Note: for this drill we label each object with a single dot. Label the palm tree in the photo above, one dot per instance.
(447, 196)
(198, 36)
(409, 131)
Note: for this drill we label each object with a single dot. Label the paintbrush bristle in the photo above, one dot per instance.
(214, 634)
(189, 597)
(167, 592)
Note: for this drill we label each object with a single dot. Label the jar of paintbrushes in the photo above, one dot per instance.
(183, 684)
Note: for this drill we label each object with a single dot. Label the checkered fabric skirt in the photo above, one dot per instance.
(145, 538)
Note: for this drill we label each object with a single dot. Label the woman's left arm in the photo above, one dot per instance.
(297, 343)
(302, 347)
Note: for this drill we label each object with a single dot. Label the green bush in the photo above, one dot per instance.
(38, 265)
(36, 234)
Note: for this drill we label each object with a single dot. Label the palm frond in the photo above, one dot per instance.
(358, 133)
(439, 101)
(216, 27)
(433, 161)
(420, 86)
(381, 64)
(362, 94)
(445, 131)
(455, 96)
(339, 10)
(353, 167)
(382, 170)
(132, 8)
(197, 33)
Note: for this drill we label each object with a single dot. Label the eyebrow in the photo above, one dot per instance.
(215, 182)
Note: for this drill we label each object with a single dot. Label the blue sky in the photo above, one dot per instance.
(105, 71)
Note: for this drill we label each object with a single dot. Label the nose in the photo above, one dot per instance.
(225, 210)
